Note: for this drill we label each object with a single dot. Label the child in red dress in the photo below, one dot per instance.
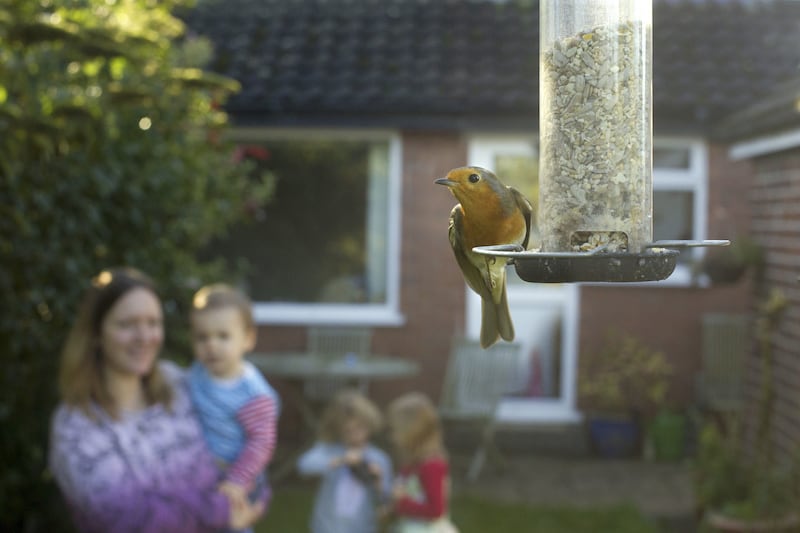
(421, 491)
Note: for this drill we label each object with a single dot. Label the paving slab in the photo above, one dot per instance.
(659, 489)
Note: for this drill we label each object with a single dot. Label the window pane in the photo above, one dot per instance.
(321, 237)
(670, 158)
(539, 332)
(522, 173)
(673, 217)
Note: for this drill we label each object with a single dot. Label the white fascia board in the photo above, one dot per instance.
(767, 144)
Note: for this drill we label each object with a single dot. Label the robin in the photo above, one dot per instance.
(489, 213)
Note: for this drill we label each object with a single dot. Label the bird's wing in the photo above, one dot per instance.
(471, 273)
(527, 211)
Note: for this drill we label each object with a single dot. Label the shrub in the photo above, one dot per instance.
(109, 155)
(626, 376)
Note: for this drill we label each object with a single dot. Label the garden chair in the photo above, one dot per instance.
(475, 381)
(336, 343)
(720, 383)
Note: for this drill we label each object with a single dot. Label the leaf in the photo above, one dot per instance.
(117, 67)
(199, 78)
(92, 68)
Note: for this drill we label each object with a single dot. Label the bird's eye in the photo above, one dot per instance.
(474, 178)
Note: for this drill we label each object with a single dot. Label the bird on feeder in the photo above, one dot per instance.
(489, 213)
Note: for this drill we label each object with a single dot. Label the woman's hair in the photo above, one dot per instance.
(222, 296)
(416, 429)
(81, 376)
(348, 405)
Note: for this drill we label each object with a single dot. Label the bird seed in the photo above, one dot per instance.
(595, 140)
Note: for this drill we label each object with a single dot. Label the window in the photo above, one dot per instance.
(545, 314)
(324, 247)
(680, 179)
(673, 217)
(521, 171)
(672, 157)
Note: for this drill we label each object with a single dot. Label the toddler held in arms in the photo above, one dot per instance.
(238, 409)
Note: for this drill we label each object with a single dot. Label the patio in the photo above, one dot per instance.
(554, 468)
(660, 490)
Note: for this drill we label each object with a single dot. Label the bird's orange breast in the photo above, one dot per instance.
(489, 227)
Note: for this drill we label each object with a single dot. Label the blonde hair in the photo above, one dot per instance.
(416, 428)
(81, 375)
(347, 405)
(222, 296)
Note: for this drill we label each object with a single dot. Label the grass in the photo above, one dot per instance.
(291, 509)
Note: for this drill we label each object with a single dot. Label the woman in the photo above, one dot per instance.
(126, 449)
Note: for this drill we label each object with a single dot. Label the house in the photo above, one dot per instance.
(353, 107)
(768, 135)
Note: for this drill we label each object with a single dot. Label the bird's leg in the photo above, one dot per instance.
(490, 281)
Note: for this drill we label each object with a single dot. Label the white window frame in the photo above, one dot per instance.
(766, 144)
(383, 314)
(693, 179)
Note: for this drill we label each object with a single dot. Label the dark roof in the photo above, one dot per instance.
(461, 63)
(775, 112)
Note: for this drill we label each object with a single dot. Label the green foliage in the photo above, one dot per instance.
(109, 155)
(749, 484)
(625, 376)
(728, 481)
(721, 478)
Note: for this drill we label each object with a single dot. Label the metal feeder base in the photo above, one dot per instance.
(656, 263)
(652, 265)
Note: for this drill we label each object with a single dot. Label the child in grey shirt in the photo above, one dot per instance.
(356, 475)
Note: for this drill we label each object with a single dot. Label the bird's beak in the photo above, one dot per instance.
(446, 182)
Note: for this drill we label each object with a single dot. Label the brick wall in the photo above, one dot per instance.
(729, 211)
(775, 198)
(666, 319)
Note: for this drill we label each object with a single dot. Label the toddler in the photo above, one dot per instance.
(238, 409)
(421, 490)
(356, 475)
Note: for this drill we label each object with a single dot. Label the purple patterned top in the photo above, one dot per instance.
(147, 472)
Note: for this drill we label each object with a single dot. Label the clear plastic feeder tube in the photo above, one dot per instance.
(595, 125)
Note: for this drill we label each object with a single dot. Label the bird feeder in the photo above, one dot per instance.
(595, 211)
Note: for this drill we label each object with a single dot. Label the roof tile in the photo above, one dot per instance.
(457, 59)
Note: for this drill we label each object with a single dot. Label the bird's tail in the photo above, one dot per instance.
(496, 320)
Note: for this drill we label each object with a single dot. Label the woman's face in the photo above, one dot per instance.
(132, 332)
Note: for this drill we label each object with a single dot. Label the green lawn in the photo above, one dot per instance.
(292, 506)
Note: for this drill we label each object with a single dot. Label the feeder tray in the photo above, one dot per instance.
(656, 263)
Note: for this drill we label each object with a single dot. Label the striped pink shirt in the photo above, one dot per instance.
(258, 418)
